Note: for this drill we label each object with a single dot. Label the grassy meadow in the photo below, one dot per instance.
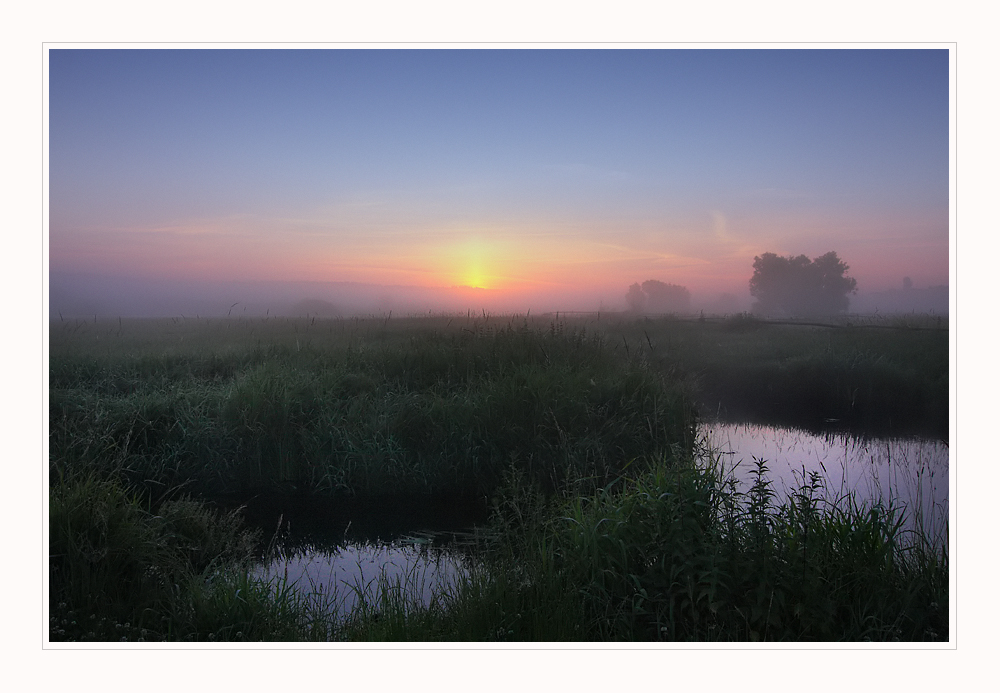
(575, 439)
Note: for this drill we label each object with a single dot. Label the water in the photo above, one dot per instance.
(336, 556)
(335, 577)
(902, 472)
(336, 553)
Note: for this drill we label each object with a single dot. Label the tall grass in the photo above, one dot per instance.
(412, 412)
(580, 437)
(142, 417)
(863, 376)
(121, 571)
(676, 554)
(673, 552)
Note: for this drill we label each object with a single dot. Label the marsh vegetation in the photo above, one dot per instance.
(571, 450)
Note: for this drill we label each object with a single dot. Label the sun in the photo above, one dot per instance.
(475, 261)
(471, 263)
(476, 277)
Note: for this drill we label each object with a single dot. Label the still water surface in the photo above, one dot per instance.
(336, 576)
(336, 569)
(910, 473)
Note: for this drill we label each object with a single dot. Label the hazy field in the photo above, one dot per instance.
(574, 440)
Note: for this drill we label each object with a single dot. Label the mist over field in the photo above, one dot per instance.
(345, 182)
(736, 238)
(81, 296)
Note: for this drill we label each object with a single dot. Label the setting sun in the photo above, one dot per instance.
(370, 301)
(472, 262)
(476, 278)
(516, 184)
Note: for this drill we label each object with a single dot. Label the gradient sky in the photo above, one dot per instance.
(516, 170)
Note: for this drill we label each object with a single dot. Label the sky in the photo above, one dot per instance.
(566, 174)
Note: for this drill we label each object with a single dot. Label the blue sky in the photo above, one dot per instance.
(517, 170)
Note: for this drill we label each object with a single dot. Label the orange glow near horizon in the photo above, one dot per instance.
(508, 261)
(474, 261)
(525, 178)
(472, 265)
(501, 261)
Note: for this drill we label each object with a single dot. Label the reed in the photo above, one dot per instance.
(122, 570)
(677, 554)
(884, 377)
(578, 438)
(422, 413)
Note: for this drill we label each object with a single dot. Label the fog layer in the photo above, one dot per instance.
(81, 295)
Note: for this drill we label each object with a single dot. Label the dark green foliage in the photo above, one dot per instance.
(657, 297)
(604, 528)
(105, 552)
(120, 571)
(425, 412)
(875, 379)
(799, 286)
(676, 554)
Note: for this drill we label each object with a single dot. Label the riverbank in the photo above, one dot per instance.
(580, 449)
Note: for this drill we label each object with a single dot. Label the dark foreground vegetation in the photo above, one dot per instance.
(872, 376)
(577, 442)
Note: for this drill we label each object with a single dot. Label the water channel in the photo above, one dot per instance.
(338, 562)
(338, 556)
(908, 473)
(412, 568)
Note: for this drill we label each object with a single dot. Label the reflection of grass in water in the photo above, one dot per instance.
(360, 577)
(874, 375)
(594, 537)
(910, 476)
(121, 568)
(913, 476)
(389, 597)
(906, 477)
(677, 553)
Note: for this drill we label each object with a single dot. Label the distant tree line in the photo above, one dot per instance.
(798, 286)
(792, 286)
(654, 296)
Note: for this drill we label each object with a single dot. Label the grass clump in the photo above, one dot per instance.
(677, 554)
(874, 378)
(433, 413)
(604, 527)
(120, 572)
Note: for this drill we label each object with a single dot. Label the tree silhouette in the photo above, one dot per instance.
(658, 297)
(798, 286)
(635, 298)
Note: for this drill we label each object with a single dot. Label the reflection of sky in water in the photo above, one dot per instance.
(336, 575)
(913, 473)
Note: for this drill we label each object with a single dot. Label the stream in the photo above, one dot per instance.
(338, 560)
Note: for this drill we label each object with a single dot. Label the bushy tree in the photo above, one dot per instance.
(800, 286)
(658, 297)
(635, 298)
(666, 298)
